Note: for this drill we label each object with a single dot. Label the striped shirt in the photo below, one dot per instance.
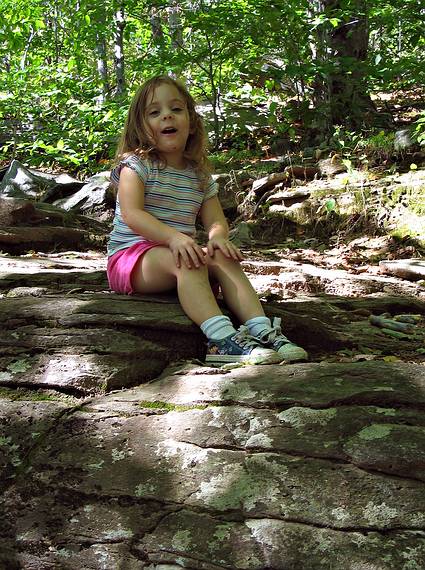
(172, 196)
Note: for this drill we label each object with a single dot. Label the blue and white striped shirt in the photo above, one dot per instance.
(172, 196)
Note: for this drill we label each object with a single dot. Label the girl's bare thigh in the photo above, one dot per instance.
(154, 272)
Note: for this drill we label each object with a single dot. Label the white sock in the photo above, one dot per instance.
(259, 326)
(217, 328)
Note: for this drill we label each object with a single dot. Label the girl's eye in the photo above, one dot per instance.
(176, 109)
(153, 113)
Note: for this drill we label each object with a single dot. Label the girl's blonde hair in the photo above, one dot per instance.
(135, 138)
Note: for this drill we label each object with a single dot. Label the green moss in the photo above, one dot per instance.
(19, 366)
(169, 407)
(298, 417)
(182, 540)
(375, 431)
(25, 395)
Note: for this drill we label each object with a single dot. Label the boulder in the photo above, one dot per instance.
(22, 239)
(403, 140)
(22, 182)
(300, 212)
(96, 198)
(226, 192)
(15, 212)
(241, 235)
(25, 201)
(329, 167)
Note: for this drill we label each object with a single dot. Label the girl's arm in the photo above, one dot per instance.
(131, 193)
(216, 225)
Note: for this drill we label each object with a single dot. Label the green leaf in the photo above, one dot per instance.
(108, 115)
(71, 64)
(330, 205)
(391, 358)
(60, 144)
(87, 19)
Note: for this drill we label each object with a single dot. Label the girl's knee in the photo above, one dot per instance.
(221, 261)
(196, 272)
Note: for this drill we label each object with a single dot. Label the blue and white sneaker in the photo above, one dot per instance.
(240, 347)
(289, 351)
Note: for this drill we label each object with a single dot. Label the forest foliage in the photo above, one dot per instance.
(308, 67)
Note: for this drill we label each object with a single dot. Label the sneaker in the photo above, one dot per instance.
(240, 347)
(289, 351)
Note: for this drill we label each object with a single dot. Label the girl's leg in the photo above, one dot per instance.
(239, 294)
(156, 272)
(242, 300)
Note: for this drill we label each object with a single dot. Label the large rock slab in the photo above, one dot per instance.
(413, 269)
(62, 329)
(312, 466)
(90, 344)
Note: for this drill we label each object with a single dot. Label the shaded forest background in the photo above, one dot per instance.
(271, 76)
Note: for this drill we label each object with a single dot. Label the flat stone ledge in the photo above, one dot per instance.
(92, 343)
(309, 466)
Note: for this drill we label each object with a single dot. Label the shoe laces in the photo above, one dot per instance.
(244, 339)
(275, 333)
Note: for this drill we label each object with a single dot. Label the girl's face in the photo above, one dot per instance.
(167, 119)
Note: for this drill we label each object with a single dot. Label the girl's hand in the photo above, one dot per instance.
(184, 248)
(225, 246)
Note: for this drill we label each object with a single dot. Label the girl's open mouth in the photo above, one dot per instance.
(169, 131)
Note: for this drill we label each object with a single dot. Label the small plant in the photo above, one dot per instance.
(419, 132)
(363, 149)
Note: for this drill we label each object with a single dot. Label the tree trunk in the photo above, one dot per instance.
(102, 65)
(119, 23)
(341, 92)
(175, 25)
(155, 20)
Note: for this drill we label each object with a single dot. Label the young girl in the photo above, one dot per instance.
(163, 184)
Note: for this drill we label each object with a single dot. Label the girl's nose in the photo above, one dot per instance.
(167, 114)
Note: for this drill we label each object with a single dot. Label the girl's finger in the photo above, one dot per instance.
(201, 254)
(235, 253)
(186, 259)
(239, 255)
(193, 254)
(176, 256)
(227, 249)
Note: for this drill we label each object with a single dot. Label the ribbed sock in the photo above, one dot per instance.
(259, 326)
(217, 328)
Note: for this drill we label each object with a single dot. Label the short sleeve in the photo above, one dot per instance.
(211, 189)
(139, 166)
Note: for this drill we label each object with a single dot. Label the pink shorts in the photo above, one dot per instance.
(122, 264)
